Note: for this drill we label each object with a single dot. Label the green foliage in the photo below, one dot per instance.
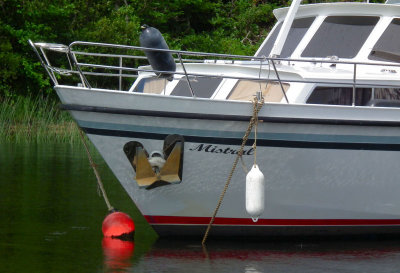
(122, 26)
(20, 21)
(9, 68)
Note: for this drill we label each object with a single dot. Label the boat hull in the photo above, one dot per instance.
(333, 174)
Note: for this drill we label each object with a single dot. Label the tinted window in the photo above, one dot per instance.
(339, 96)
(388, 44)
(387, 93)
(266, 49)
(340, 36)
(203, 87)
(296, 33)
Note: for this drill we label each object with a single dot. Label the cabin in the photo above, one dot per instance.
(335, 54)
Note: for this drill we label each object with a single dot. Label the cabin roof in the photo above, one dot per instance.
(342, 8)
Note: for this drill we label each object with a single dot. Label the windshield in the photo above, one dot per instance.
(341, 36)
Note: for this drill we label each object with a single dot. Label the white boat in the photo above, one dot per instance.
(328, 136)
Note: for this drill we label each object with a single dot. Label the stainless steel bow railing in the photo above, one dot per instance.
(80, 50)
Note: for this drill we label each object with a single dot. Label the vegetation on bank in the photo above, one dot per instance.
(28, 119)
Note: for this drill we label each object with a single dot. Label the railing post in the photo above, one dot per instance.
(187, 77)
(84, 80)
(120, 74)
(280, 82)
(49, 72)
(354, 86)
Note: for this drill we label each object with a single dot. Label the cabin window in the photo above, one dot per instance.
(266, 49)
(151, 85)
(245, 90)
(388, 46)
(203, 87)
(339, 96)
(296, 33)
(340, 36)
(387, 93)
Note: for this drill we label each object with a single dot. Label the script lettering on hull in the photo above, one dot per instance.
(215, 149)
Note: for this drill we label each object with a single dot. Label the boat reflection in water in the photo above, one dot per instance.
(240, 256)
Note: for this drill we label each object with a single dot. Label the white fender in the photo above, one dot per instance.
(255, 192)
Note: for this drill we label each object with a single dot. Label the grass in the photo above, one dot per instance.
(28, 119)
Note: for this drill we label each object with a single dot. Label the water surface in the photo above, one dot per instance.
(51, 212)
(51, 215)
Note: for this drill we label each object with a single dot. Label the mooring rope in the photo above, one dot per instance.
(256, 108)
(93, 165)
(255, 139)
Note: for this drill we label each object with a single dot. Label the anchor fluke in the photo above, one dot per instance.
(153, 171)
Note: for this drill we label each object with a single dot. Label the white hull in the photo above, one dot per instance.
(328, 139)
(334, 173)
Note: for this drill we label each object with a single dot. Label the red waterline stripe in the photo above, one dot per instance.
(183, 220)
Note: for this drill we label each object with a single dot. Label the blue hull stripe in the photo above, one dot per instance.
(311, 142)
(230, 134)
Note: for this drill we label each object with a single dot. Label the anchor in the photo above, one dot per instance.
(160, 168)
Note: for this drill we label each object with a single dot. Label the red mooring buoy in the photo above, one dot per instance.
(118, 225)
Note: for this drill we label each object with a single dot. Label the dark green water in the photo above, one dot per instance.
(51, 215)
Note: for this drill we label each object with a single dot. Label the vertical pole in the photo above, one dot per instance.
(120, 74)
(280, 82)
(283, 33)
(354, 86)
(84, 80)
(187, 77)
